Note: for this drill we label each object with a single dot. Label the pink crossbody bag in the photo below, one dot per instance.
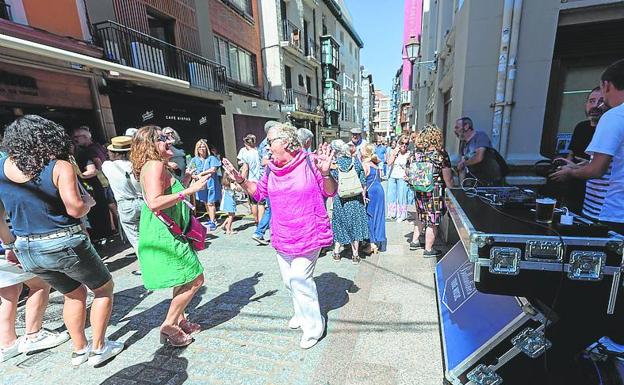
(195, 234)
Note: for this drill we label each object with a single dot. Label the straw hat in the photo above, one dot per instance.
(120, 144)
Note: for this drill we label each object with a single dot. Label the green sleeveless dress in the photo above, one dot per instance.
(166, 261)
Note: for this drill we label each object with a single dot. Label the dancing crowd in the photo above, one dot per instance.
(145, 183)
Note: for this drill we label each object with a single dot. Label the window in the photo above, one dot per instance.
(300, 80)
(308, 85)
(239, 64)
(243, 6)
(288, 77)
(342, 37)
(160, 27)
(351, 48)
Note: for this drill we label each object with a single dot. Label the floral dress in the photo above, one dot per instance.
(430, 205)
(349, 218)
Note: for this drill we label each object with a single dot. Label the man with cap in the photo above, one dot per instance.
(358, 141)
(126, 189)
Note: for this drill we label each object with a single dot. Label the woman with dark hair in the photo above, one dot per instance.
(166, 261)
(296, 184)
(39, 190)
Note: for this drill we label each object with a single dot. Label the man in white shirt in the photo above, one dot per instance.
(358, 141)
(126, 189)
(607, 148)
(251, 169)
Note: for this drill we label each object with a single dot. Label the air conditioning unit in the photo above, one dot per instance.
(147, 58)
(200, 76)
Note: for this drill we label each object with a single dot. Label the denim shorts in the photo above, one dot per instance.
(64, 263)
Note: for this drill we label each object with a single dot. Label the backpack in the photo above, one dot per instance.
(349, 182)
(420, 176)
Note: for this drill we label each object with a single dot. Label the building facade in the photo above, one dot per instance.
(236, 34)
(381, 115)
(368, 102)
(524, 85)
(165, 39)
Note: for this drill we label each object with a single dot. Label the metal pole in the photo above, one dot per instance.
(511, 76)
(501, 77)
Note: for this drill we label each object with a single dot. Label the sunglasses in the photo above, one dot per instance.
(404, 143)
(162, 138)
(270, 141)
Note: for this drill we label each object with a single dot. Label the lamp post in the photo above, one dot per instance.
(412, 49)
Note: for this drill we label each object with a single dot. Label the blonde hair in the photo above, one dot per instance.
(368, 152)
(144, 148)
(198, 144)
(430, 136)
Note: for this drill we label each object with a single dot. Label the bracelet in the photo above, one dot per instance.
(326, 176)
(181, 197)
(8, 246)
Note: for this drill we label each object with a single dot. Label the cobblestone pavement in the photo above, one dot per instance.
(382, 324)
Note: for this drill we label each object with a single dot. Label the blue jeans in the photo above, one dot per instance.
(65, 262)
(397, 198)
(263, 225)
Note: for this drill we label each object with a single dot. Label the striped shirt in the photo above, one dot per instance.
(595, 192)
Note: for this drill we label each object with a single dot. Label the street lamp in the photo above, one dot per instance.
(412, 49)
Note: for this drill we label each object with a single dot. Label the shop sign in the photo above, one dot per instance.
(178, 118)
(147, 115)
(203, 120)
(16, 84)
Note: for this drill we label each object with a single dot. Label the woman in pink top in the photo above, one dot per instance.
(296, 184)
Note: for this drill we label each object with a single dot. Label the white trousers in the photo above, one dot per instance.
(297, 274)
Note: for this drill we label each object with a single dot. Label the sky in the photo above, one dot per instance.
(380, 26)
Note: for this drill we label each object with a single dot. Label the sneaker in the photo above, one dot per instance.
(416, 246)
(433, 253)
(294, 323)
(80, 357)
(210, 225)
(11, 351)
(356, 259)
(44, 339)
(110, 350)
(611, 345)
(260, 240)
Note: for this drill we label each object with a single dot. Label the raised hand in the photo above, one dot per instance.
(324, 158)
(232, 171)
(200, 182)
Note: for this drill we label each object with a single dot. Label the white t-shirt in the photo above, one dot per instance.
(399, 166)
(121, 179)
(252, 158)
(609, 140)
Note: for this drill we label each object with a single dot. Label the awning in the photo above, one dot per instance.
(30, 47)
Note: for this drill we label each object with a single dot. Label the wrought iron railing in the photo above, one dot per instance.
(133, 48)
(292, 34)
(302, 101)
(312, 49)
(5, 11)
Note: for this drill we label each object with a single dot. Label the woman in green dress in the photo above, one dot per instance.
(166, 262)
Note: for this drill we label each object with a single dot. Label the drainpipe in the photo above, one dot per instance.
(511, 76)
(501, 77)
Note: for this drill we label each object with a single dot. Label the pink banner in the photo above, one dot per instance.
(412, 29)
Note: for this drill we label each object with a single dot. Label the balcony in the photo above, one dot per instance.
(5, 11)
(406, 97)
(135, 49)
(330, 51)
(291, 37)
(301, 101)
(312, 51)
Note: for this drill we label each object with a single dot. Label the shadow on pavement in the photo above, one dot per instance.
(165, 367)
(142, 323)
(228, 305)
(333, 291)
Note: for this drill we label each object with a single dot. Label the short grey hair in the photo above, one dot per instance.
(287, 132)
(304, 135)
(176, 136)
(269, 124)
(340, 148)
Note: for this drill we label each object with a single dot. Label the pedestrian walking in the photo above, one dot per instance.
(166, 261)
(376, 200)
(349, 218)
(210, 193)
(430, 174)
(265, 154)
(296, 186)
(397, 186)
(39, 190)
(228, 204)
(251, 169)
(126, 188)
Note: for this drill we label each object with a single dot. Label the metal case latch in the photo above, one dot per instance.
(484, 375)
(531, 342)
(586, 265)
(505, 260)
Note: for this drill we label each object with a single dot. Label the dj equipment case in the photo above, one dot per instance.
(514, 255)
(486, 339)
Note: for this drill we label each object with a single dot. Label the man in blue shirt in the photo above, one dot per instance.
(265, 155)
